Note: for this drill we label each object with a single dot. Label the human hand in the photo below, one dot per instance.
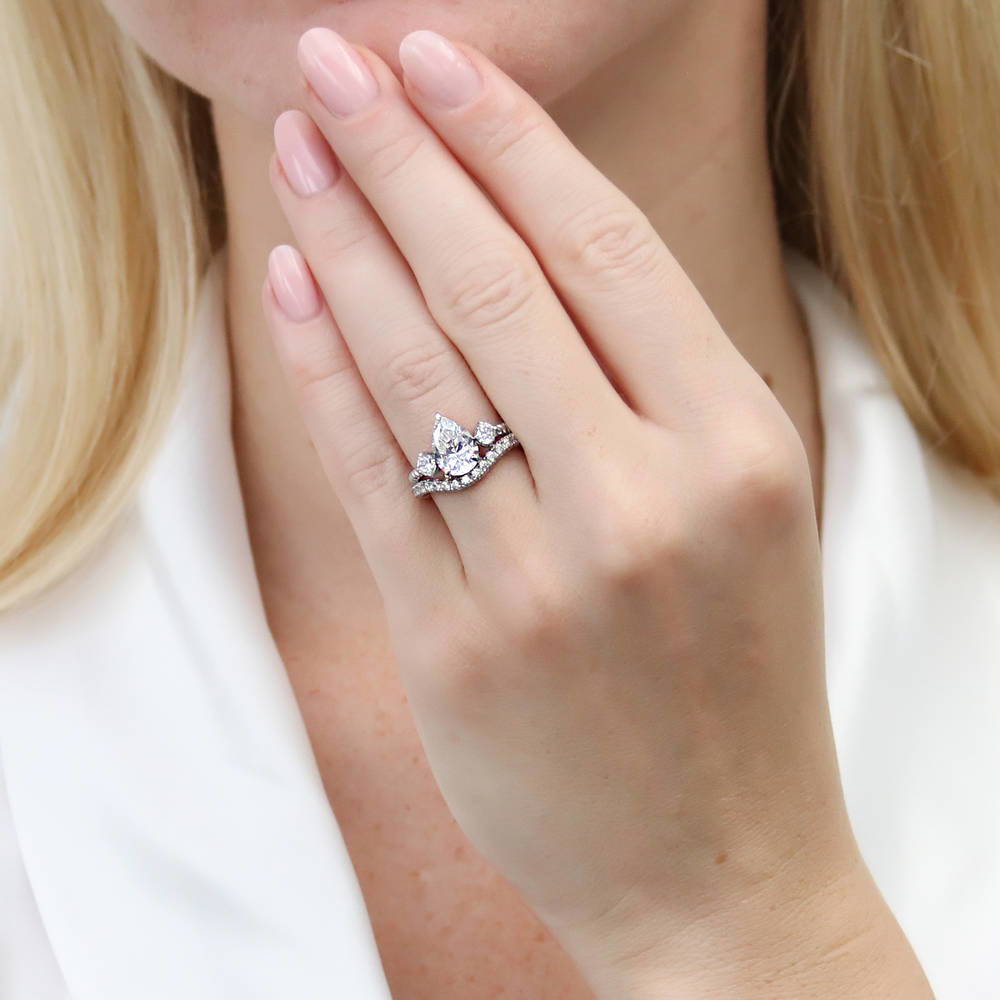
(612, 644)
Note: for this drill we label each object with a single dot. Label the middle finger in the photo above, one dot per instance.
(480, 280)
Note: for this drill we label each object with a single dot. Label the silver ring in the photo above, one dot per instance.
(457, 455)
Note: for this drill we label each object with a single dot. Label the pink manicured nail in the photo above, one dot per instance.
(305, 155)
(292, 284)
(336, 71)
(438, 69)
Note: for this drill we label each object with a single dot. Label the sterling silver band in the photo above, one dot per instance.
(456, 460)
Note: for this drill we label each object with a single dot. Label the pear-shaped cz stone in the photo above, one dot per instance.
(456, 449)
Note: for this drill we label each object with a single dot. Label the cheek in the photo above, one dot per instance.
(242, 52)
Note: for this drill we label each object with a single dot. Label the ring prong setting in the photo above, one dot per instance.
(456, 452)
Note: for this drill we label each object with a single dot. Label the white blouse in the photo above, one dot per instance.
(163, 830)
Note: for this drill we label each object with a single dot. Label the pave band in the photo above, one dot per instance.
(456, 454)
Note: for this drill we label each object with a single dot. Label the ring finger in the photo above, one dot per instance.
(411, 368)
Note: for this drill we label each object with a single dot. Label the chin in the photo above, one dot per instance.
(243, 54)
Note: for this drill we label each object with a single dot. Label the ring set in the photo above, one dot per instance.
(456, 459)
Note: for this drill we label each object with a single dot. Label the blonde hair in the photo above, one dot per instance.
(884, 149)
(102, 244)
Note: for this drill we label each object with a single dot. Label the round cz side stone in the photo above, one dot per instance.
(486, 432)
(426, 464)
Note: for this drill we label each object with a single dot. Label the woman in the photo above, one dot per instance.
(282, 716)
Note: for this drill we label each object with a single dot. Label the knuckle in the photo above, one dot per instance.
(540, 620)
(633, 548)
(456, 662)
(534, 607)
(508, 135)
(335, 239)
(371, 471)
(317, 376)
(496, 287)
(629, 557)
(766, 481)
(416, 373)
(610, 241)
(388, 157)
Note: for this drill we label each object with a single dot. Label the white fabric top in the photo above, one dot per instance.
(163, 830)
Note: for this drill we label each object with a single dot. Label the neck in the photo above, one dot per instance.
(691, 152)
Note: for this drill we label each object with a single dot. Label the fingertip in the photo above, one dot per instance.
(292, 285)
(311, 42)
(438, 70)
(284, 121)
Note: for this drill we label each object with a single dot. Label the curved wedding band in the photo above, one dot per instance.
(456, 454)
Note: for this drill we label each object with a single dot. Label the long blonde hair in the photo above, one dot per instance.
(885, 151)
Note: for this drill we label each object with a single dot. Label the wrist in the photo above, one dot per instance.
(808, 936)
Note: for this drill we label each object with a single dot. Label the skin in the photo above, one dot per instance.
(655, 553)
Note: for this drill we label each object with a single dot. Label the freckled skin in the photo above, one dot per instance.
(447, 924)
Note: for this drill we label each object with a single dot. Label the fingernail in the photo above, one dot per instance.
(292, 284)
(305, 155)
(336, 71)
(438, 70)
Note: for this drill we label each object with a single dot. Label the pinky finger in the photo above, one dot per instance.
(405, 541)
